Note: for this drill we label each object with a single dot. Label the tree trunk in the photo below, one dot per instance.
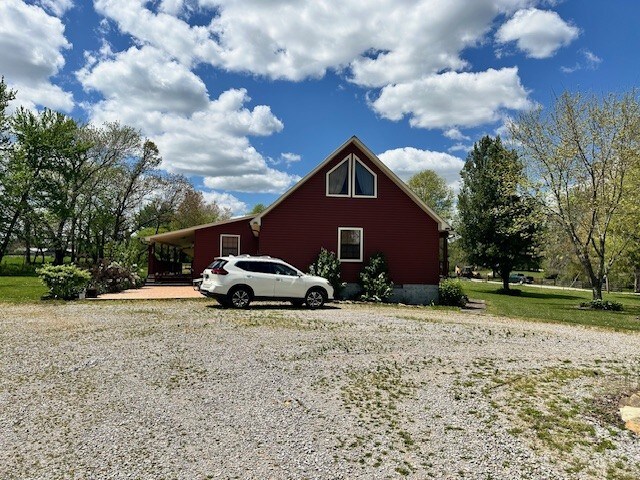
(58, 258)
(27, 242)
(59, 245)
(74, 257)
(636, 280)
(596, 282)
(596, 288)
(9, 232)
(504, 273)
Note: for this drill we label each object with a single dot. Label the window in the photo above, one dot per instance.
(257, 267)
(217, 264)
(364, 180)
(350, 242)
(351, 178)
(281, 269)
(338, 179)
(229, 245)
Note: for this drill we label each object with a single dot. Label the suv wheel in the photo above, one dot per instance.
(240, 297)
(223, 301)
(315, 298)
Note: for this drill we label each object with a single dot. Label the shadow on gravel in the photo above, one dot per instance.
(274, 307)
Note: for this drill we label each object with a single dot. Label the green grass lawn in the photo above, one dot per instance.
(14, 265)
(21, 289)
(555, 305)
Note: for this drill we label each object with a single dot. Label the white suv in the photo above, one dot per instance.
(236, 281)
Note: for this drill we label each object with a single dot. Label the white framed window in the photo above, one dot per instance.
(339, 179)
(350, 244)
(365, 182)
(351, 178)
(229, 245)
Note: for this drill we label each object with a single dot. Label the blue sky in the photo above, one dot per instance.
(247, 96)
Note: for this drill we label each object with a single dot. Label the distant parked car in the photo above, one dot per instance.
(237, 281)
(520, 278)
(469, 272)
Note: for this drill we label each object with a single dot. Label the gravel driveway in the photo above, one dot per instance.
(186, 390)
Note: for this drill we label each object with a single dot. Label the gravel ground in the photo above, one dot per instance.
(186, 390)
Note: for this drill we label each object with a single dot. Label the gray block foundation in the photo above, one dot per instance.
(409, 294)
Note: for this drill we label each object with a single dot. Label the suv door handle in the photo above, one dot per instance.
(278, 280)
(249, 276)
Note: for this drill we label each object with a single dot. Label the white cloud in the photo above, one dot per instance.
(391, 44)
(406, 162)
(31, 45)
(144, 88)
(185, 43)
(227, 201)
(57, 7)
(267, 181)
(172, 7)
(591, 62)
(592, 59)
(538, 33)
(153, 82)
(382, 42)
(455, 134)
(289, 158)
(454, 99)
(460, 147)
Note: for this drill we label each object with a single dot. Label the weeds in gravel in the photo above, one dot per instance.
(374, 397)
(559, 410)
(287, 320)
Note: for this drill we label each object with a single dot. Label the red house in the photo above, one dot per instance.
(351, 204)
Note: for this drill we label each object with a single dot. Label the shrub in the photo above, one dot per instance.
(374, 280)
(602, 305)
(64, 281)
(327, 266)
(113, 277)
(450, 293)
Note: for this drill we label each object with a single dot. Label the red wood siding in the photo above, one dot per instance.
(207, 242)
(393, 224)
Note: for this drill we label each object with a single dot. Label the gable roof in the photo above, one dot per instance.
(443, 225)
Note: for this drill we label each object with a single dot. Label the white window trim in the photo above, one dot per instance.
(352, 260)
(375, 179)
(225, 235)
(348, 194)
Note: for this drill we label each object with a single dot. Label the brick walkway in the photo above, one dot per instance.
(154, 292)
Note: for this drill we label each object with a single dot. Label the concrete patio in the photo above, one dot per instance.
(166, 292)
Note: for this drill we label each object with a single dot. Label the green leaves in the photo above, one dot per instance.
(64, 281)
(434, 191)
(374, 280)
(499, 225)
(327, 266)
(450, 293)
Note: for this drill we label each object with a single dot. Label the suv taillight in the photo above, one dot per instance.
(219, 271)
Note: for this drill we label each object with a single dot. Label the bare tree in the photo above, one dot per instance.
(579, 154)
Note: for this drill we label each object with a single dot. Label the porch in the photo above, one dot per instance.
(170, 259)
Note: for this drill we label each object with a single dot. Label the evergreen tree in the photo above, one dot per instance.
(499, 226)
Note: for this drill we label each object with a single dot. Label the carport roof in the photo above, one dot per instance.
(184, 238)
